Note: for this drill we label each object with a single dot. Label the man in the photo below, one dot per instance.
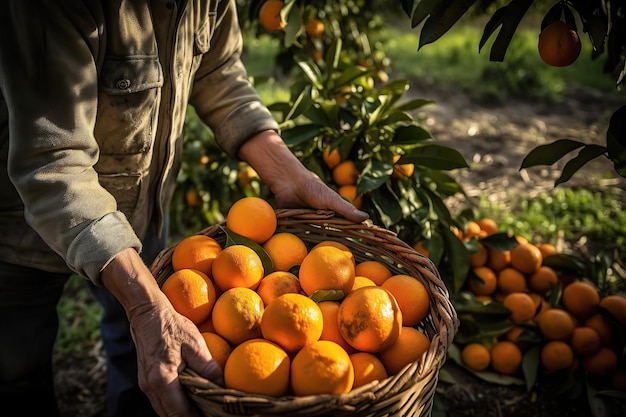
(92, 104)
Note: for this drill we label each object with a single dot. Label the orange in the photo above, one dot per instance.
(521, 305)
(276, 284)
(478, 258)
(506, 357)
(603, 362)
(323, 367)
(286, 250)
(258, 366)
(196, 252)
(547, 249)
(557, 355)
(314, 28)
(420, 247)
(330, 331)
(192, 197)
(401, 171)
(345, 173)
(408, 348)
(331, 158)
(526, 258)
(370, 319)
(476, 356)
(542, 280)
(511, 280)
(346, 250)
(585, 341)
(269, 15)
(615, 306)
(498, 260)
(360, 281)
(252, 217)
(237, 315)
(326, 268)
(191, 293)
(559, 44)
(412, 297)
(602, 326)
(374, 270)
(218, 346)
(485, 283)
(237, 266)
(488, 225)
(292, 321)
(349, 193)
(246, 175)
(472, 229)
(206, 325)
(556, 324)
(367, 368)
(581, 299)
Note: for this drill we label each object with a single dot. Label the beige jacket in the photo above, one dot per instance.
(92, 107)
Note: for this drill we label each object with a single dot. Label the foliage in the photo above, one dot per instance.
(603, 20)
(337, 105)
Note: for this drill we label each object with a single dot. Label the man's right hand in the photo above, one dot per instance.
(166, 341)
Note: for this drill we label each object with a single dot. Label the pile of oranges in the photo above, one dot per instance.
(320, 322)
(563, 316)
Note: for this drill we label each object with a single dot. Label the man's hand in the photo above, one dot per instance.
(292, 184)
(166, 341)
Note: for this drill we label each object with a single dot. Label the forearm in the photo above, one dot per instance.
(131, 282)
(270, 157)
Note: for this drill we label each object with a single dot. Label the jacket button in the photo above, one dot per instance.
(123, 84)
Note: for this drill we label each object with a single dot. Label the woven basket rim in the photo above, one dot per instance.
(417, 380)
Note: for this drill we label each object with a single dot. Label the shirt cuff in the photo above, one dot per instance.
(95, 246)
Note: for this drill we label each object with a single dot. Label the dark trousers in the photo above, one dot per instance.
(28, 329)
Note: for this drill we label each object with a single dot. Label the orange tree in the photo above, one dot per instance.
(604, 21)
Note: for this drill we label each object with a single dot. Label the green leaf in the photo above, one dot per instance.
(566, 263)
(311, 71)
(501, 242)
(301, 104)
(442, 18)
(616, 140)
(466, 303)
(233, 238)
(387, 206)
(409, 135)
(327, 295)
(510, 21)
(550, 153)
(421, 9)
(530, 366)
(435, 157)
(458, 259)
(349, 75)
(295, 26)
(494, 23)
(301, 133)
(375, 174)
(414, 104)
(333, 54)
(586, 154)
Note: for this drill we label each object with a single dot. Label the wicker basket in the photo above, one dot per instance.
(408, 393)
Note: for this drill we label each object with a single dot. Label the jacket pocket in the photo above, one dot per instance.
(202, 38)
(128, 97)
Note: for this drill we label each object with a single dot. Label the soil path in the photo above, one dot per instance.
(494, 138)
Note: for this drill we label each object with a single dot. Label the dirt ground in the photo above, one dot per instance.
(494, 138)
